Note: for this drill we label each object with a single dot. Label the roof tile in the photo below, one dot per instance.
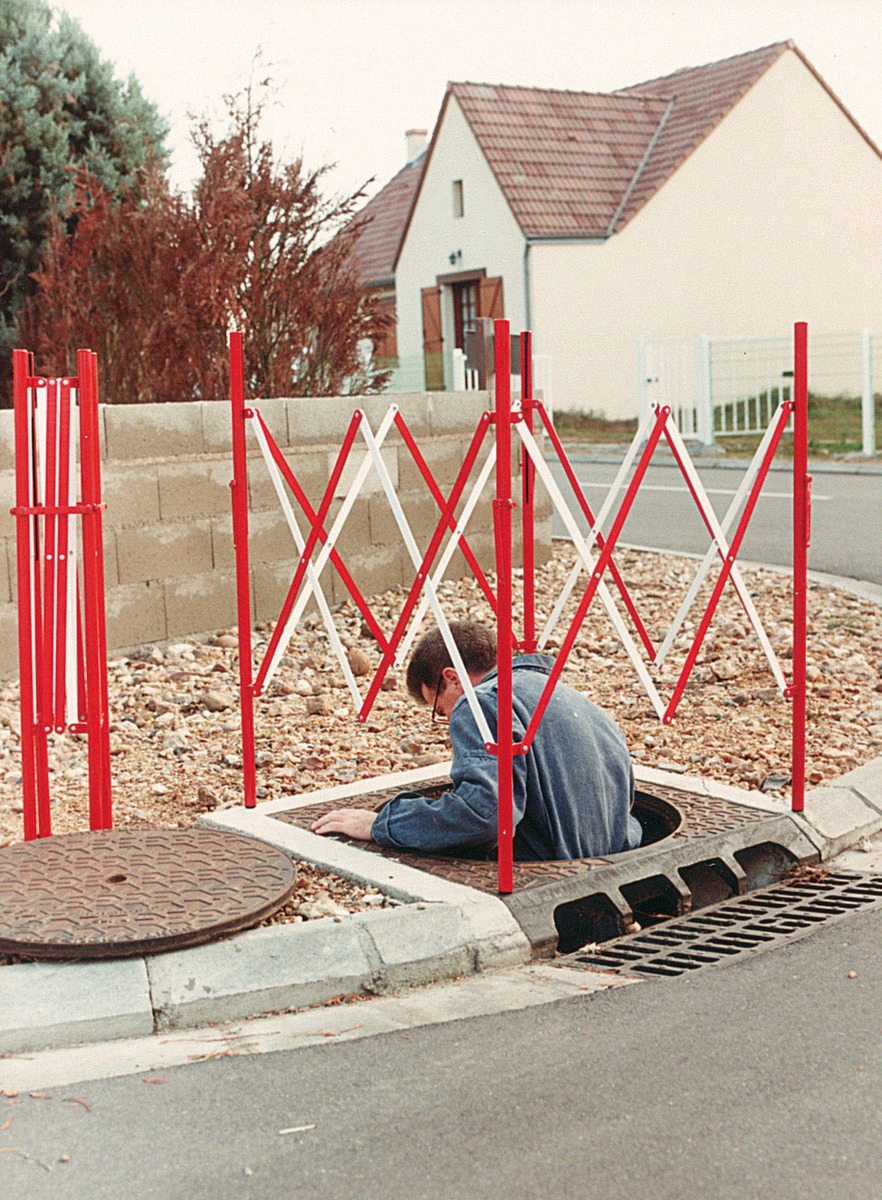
(591, 147)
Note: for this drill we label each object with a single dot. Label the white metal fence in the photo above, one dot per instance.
(719, 387)
(409, 375)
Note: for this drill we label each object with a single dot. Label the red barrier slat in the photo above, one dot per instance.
(438, 496)
(676, 453)
(317, 529)
(425, 568)
(734, 546)
(302, 499)
(596, 576)
(64, 452)
(589, 516)
(50, 522)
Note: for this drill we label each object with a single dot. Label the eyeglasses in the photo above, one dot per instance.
(436, 716)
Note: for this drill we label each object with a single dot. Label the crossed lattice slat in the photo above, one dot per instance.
(657, 424)
(422, 594)
(306, 581)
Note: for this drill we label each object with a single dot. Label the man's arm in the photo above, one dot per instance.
(354, 822)
(464, 816)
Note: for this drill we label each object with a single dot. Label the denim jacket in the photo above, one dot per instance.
(573, 790)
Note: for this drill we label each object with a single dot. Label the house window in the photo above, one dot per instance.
(458, 202)
(465, 310)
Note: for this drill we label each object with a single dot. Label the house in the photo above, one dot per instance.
(376, 248)
(732, 198)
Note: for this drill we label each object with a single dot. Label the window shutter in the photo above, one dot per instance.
(433, 341)
(490, 298)
(387, 347)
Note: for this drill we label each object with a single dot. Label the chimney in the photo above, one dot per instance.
(417, 140)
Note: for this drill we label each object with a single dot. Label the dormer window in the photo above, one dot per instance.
(458, 202)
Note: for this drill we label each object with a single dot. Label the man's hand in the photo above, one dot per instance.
(354, 822)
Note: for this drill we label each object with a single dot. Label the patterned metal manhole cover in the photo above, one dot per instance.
(134, 891)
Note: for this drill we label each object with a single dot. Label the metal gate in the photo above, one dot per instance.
(723, 387)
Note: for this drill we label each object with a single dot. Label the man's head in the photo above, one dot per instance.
(431, 668)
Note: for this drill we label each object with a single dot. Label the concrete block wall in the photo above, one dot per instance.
(166, 469)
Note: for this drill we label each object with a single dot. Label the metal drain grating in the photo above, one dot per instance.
(742, 926)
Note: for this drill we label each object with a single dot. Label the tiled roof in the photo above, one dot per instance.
(377, 246)
(582, 163)
(701, 97)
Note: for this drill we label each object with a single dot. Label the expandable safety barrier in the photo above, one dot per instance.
(60, 579)
(517, 420)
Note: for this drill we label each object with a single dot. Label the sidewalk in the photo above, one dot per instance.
(440, 930)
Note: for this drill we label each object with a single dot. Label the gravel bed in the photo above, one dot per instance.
(175, 734)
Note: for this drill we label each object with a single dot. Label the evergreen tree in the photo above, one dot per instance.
(61, 111)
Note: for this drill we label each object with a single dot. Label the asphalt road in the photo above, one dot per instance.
(846, 514)
(760, 1079)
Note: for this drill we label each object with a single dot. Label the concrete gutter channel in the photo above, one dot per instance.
(439, 930)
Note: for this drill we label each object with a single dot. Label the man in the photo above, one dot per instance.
(573, 790)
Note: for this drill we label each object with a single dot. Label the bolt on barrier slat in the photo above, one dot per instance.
(508, 417)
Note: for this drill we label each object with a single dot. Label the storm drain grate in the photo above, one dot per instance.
(742, 926)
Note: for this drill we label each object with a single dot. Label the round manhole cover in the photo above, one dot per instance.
(135, 891)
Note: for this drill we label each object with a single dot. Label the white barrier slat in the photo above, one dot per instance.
(311, 574)
(340, 520)
(416, 557)
(720, 548)
(617, 484)
(589, 563)
(455, 538)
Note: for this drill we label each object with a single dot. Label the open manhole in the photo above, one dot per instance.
(737, 928)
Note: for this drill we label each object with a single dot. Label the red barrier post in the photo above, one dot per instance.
(801, 538)
(239, 490)
(25, 552)
(94, 628)
(502, 507)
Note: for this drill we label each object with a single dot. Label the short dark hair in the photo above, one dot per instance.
(475, 643)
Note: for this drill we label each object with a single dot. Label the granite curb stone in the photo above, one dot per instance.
(68, 1003)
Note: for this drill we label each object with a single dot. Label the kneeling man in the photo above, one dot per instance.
(573, 790)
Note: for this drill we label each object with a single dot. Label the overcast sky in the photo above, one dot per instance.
(353, 75)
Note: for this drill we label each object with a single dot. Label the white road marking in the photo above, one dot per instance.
(665, 487)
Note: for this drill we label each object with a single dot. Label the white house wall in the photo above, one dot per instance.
(487, 234)
(775, 218)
